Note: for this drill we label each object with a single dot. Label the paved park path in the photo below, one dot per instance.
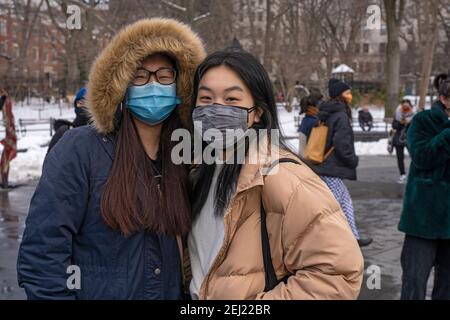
(377, 200)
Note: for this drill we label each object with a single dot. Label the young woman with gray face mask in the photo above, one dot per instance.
(311, 245)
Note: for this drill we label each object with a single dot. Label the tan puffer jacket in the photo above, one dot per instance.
(309, 238)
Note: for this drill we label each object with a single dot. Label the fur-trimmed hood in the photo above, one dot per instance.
(114, 68)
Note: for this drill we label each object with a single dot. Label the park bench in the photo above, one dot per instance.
(25, 123)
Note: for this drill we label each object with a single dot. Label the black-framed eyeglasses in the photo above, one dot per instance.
(163, 76)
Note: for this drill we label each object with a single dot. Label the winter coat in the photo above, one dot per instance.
(399, 138)
(343, 161)
(60, 126)
(364, 116)
(426, 204)
(308, 233)
(64, 225)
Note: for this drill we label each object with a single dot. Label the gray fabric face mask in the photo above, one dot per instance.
(221, 122)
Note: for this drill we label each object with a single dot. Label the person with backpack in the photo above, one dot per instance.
(309, 106)
(341, 160)
(259, 233)
(81, 118)
(402, 119)
(425, 218)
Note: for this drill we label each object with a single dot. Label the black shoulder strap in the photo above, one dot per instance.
(270, 275)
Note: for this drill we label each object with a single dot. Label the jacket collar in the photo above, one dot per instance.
(438, 112)
(259, 160)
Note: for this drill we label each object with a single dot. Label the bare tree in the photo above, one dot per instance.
(342, 24)
(428, 36)
(394, 14)
(27, 13)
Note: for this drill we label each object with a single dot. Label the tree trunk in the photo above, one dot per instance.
(393, 20)
(428, 47)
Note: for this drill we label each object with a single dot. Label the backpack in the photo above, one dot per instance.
(315, 147)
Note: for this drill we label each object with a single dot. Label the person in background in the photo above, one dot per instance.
(10, 141)
(365, 119)
(309, 106)
(400, 125)
(82, 118)
(342, 162)
(3, 96)
(425, 218)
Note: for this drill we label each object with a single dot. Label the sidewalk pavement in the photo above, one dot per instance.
(377, 201)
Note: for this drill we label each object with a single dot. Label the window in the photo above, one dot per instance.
(379, 67)
(53, 36)
(366, 48)
(35, 54)
(382, 48)
(259, 33)
(260, 16)
(357, 48)
(261, 2)
(16, 50)
(3, 30)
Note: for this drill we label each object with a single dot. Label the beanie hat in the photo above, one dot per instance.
(81, 94)
(336, 87)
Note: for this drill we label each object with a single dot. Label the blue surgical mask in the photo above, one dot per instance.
(152, 103)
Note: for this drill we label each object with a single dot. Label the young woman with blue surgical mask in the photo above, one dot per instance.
(111, 207)
(257, 233)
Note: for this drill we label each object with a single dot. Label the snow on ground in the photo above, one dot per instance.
(28, 165)
(362, 148)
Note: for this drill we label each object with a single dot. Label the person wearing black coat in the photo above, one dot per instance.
(365, 119)
(342, 162)
(82, 118)
(402, 120)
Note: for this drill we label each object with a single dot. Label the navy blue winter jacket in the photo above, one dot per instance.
(64, 227)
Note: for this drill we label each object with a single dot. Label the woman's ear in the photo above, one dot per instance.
(258, 114)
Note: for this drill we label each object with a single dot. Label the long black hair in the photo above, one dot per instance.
(258, 82)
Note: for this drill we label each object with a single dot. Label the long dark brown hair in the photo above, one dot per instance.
(131, 200)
